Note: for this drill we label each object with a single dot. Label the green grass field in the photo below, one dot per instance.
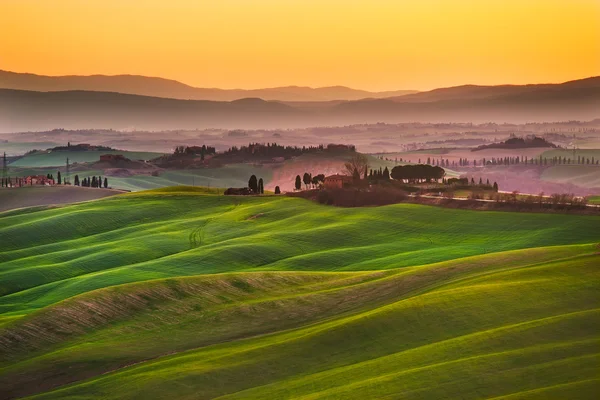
(235, 175)
(177, 293)
(594, 200)
(58, 158)
(32, 196)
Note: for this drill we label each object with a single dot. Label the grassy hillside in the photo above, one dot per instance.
(19, 148)
(58, 158)
(182, 294)
(31, 196)
(235, 175)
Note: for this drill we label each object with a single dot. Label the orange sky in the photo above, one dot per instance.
(374, 44)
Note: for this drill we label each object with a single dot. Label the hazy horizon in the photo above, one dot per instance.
(375, 46)
(292, 85)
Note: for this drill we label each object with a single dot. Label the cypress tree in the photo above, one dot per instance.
(253, 184)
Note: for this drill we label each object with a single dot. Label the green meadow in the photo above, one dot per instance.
(182, 293)
(234, 175)
(58, 158)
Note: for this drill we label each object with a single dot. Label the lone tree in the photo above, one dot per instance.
(277, 190)
(358, 162)
(58, 179)
(253, 184)
(261, 187)
(298, 184)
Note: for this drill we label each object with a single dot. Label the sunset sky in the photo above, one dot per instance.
(373, 45)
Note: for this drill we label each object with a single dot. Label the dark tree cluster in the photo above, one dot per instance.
(94, 182)
(417, 173)
(271, 150)
(309, 180)
(459, 183)
(255, 185)
(518, 143)
(376, 175)
(194, 151)
(517, 160)
(81, 147)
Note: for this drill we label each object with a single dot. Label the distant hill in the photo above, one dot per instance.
(28, 110)
(159, 87)
(471, 92)
(518, 143)
(575, 100)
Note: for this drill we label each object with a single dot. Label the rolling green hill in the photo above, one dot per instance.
(32, 196)
(58, 158)
(177, 293)
(234, 175)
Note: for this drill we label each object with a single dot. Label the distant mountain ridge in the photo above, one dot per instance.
(167, 88)
(481, 92)
(28, 110)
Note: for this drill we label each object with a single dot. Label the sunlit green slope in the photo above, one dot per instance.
(179, 294)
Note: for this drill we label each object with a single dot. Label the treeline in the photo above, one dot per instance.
(378, 175)
(94, 182)
(81, 147)
(518, 143)
(417, 173)
(556, 160)
(309, 180)
(516, 160)
(277, 150)
(194, 151)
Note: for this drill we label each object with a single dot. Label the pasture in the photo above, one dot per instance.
(180, 293)
(32, 196)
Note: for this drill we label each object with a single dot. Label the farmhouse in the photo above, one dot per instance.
(38, 180)
(337, 181)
